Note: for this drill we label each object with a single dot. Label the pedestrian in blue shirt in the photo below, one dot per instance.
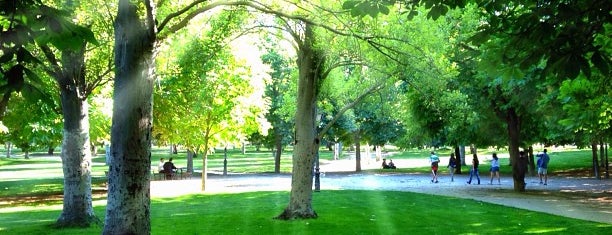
(543, 160)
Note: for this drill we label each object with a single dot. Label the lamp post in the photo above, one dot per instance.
(317, 178)
(317, 174)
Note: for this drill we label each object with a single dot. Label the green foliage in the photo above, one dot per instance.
(24, 23)
(205, 95)
(587, 106)
(280, 81)
(32, 124)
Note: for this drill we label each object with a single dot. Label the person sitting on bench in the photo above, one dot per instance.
(169, 169)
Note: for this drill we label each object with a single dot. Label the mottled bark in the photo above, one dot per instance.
(128, 205)
(76, 153)
(76, 163)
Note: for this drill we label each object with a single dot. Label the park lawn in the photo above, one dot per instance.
(340, 212)
(43, 175)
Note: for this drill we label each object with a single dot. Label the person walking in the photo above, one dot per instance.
(495, 169)
(543, 160)
(434, 160)
(452, 165)
(474, 170)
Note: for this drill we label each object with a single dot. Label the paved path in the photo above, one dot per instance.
(579, 198)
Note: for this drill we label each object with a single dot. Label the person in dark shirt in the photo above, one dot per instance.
(391, 164)
(169, 168)
(474, 170)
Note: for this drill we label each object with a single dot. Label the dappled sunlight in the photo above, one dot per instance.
(544, 230)
(34, 208)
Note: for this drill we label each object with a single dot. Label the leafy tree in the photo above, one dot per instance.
(138, 34)
(208, 97)
(563, 34)
(53, 33)
(32, 125)
(275, 91)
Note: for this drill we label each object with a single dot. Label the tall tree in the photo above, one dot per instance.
(209, 100)
(137, 36)
(128, 203)
(310, 63)
(275, 90)
(53, 29)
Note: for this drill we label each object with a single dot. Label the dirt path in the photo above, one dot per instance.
(580, 198)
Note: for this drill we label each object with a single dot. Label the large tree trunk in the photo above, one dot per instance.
(76, 150)
(278, 146)
(357, 151)
(128, 205)
(306, 142)
(457, 159)
(518, 173)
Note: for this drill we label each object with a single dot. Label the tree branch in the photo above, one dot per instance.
(341, 112)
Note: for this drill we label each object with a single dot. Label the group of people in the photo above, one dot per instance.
(542, 165)
(389, 165)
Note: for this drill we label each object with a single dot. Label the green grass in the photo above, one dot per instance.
(40, 176)
(341, 212)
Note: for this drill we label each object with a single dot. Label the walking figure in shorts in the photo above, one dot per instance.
(543, 159)
(434, 160)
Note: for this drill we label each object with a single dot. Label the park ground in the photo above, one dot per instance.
(570, 196)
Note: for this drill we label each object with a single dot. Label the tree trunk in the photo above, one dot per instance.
(457, 160)
(50, 151)
(76, 149)
(128, 206)
(530, 160)
(357, 151)
(602, 157)
(204, 171)
(190, 156)
(518, 173)
(462, 154)
(278, 145)
(607, 163)
(368, 154)
(595, 163)
(9, 148)
(306, 142)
